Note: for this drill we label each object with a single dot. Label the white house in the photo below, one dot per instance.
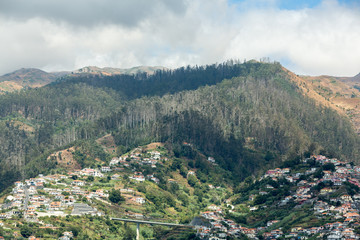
(140, 200)
(105, 169)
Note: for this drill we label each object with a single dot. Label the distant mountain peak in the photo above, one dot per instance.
(34, 77)
(24, 71)
(25, 77)
(356, 78)
(114, 71)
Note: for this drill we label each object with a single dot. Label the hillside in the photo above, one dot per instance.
(356, 78)
(300, 198)
(253, 119)
(339, 93)
(147, 182)
(311, 197)
(25, 77)
(193, 144)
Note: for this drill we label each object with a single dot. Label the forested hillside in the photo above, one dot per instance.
(239, 121)
(248, 116)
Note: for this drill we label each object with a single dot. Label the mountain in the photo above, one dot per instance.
(33, 78)
(350, 80)
(238, 148)
(25, 77)
(356, 78)
(249, 116)
(107, 71)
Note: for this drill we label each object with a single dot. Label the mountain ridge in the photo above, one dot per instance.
(356, 78)
(34, 77)
(108, 71)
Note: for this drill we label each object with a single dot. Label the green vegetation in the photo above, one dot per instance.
(215, 108)
(115, 196)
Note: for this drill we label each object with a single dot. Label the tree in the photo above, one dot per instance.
(115, 196)
(192, 180)
(329, 167)
(260, 199)
(65, 193)
(26, 231)
(129, 234)
(141, 188)
(269, 156)
(174, 187)
(74, 230)
(183, 171)
(319, 173)
(90, 178)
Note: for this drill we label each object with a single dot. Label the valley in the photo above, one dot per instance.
(240, 150)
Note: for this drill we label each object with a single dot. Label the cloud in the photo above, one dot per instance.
(321, 40)
(64, 35)
(89, 12)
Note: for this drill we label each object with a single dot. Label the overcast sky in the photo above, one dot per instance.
(311, 37)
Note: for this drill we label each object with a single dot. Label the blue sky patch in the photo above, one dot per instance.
(287, 4)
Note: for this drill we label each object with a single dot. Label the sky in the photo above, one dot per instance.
(309, 37)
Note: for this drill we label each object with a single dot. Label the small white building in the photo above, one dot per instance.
(105, 169)
(140, 200)
(78, 183)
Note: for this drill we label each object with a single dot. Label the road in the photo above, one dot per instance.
(151, 222)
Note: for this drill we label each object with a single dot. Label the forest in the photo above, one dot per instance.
(246, 115)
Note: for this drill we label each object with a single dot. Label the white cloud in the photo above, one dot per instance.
(321, 40)
(89, 13)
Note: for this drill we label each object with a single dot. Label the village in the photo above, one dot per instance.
(74, 193)
(342, 211)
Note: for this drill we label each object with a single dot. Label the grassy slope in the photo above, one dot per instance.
(337, 93)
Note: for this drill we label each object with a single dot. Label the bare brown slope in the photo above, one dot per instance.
(108, 143)
(339, 93)
(25, 77)
(309, 89)
(29, 77)
(65, 159)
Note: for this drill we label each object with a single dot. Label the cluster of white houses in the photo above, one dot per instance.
(58, 194)
(137, 156)
(343, 209)
(54, 194)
